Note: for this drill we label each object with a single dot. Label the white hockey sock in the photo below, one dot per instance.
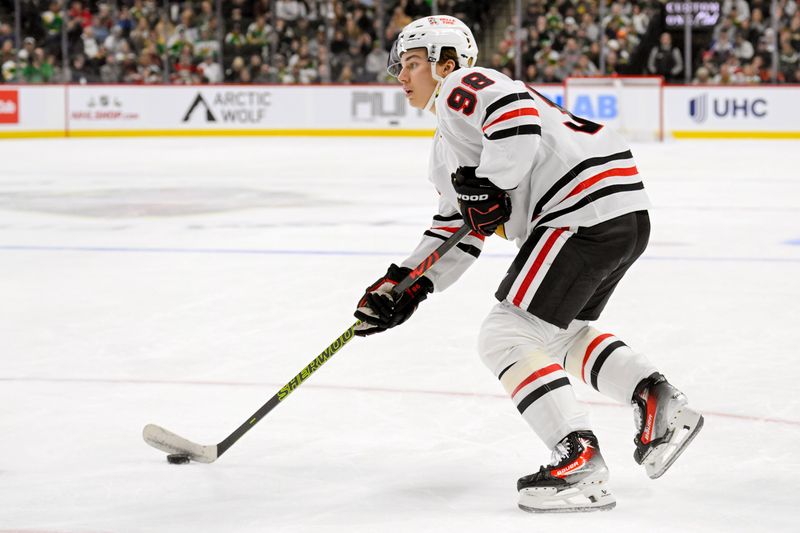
(543, 395)
(607, 364)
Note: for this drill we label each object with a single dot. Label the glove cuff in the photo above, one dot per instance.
(397, 274)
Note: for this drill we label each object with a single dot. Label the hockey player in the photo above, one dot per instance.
(507, 161)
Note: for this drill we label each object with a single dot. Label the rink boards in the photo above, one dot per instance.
(365, 110)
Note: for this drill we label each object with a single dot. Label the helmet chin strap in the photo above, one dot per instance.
(436, 89)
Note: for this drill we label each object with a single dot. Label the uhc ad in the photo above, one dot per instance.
(701, 106)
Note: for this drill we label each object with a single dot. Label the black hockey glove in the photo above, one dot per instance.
(483, 205)
(379, 311)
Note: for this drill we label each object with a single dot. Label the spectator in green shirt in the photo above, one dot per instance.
(39, 69)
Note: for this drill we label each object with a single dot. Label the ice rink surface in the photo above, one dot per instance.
(183, 281)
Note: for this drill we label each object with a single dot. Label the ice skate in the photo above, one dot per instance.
(665, 424)
(575, 481)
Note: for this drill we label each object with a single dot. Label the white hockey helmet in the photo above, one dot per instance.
(434, 33)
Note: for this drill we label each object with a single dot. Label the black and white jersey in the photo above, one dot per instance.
(559, 170)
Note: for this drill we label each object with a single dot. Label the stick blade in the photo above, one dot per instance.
(167, 441)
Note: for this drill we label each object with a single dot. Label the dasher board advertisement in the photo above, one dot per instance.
(257, 109)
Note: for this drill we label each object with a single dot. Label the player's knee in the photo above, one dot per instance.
(498, 337)
(493, 348)
(505, 333)
(581, 342)
(587, 344)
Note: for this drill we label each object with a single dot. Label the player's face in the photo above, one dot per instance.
(416, 78)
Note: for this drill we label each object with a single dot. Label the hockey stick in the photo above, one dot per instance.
(174, 444)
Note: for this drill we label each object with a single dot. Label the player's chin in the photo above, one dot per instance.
(415, 101)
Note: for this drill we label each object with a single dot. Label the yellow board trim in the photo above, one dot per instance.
(222, 133)
(680, 134)
(31, 134)
(736, 134)
(251, 133)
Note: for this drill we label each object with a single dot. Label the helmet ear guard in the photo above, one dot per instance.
(434, 52)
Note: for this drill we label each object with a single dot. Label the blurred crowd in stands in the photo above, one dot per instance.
(347, 41)
(563, 38)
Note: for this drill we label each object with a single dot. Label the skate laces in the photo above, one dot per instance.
(562, 451)
(639, 401)
(638, 417)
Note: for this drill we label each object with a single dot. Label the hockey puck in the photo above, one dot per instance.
(177, 458)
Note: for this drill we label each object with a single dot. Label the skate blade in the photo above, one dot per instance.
(688, 424)
(605, 507)
(581, 499)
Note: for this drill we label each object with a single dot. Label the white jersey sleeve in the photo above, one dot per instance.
(446, 222)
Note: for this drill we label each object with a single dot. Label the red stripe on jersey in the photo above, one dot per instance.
(449, 229)
(536, 375)
(513, 114)
(629, 171)
(536, 265)
(589, 349)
